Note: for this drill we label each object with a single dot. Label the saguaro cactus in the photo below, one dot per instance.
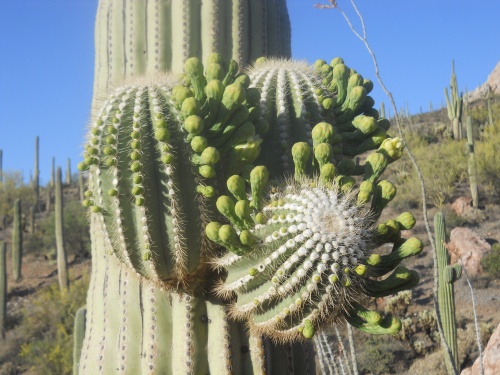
(1, 165)
(446, 297)
(53, 173)
(207, 193)
(78, 336)
(454, 105)
(3, 287)
(36, 179)
(62, 260)
(68, 171)
(472, 164)
(17, 241)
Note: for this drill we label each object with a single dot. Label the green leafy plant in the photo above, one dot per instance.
(491, 261)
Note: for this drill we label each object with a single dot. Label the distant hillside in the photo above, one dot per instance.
(493, 82)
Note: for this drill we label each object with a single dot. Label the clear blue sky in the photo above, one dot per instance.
(46, 61)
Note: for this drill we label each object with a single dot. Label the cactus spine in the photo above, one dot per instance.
(17, 241)
(472, 164)
(78, 336)
(36, 179)
(454, 104)
(446, 298)
(68, 172)
(62, 260)
(3, 287)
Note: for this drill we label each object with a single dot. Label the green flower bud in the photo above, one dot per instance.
(236, 186)
(323, 153)
(206, 171)
(162, 135)
(194, 124)
(206, 191)
(210, 156)
(190, 106)
(215, 71)
(199, 143)
(308, 330)
(392, 148)
(328, 172)
(406, 220)
(322, 133)
(259, 177)
(300, 153)
(212, 231)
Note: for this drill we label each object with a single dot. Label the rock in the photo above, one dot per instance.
(467, 245)
(462, 206)
(491, 357)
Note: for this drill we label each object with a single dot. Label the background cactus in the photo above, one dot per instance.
(454, 104)
(3, 287)
(68, 172)
(1, 165)
(36, 178)
(62, 260)
(446, 297)
(17, 241)
(471, 167)
(181, 167)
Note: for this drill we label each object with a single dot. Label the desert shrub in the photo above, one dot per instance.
(374, 355)
(76, 232)
(491, 261)
(47, 326)
(442, 165)
(13, 188)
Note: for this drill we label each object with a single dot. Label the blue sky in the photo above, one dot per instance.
(46, 63)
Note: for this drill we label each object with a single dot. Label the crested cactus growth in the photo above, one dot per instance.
(472, 164)
(204, 191)
(78, 336)
(3, 287)
(446, 297)
(161, 157)
(454, 104)
(17, 241)
(62, 260)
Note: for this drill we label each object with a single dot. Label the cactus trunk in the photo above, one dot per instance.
(53, 173)
(17, 241)
(32, 220)
(454, 104)
(78, 336)
(81, 186)
(472, 164)
(3, 288)
(137, 38)
(446, 297)
(62, 260)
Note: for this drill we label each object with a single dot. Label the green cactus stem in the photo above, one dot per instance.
(3, 288)
(454, 104)
(62, 260)
(446, 298)
(78, 336)
(472, 164)
(489, 98)
(17, 241)
(68, 172)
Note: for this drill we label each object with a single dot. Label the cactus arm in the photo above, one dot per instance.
(78, 337)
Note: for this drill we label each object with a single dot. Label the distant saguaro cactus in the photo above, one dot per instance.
(17, 240)
(446, 295)
(472, 164)
(53, 173)
(32, 220)
(1, 165)
(3, 287)
(454, 104)
(62, 260)
(68, 172)
(36, 178)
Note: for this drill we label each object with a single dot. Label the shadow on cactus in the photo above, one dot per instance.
(259, 163)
